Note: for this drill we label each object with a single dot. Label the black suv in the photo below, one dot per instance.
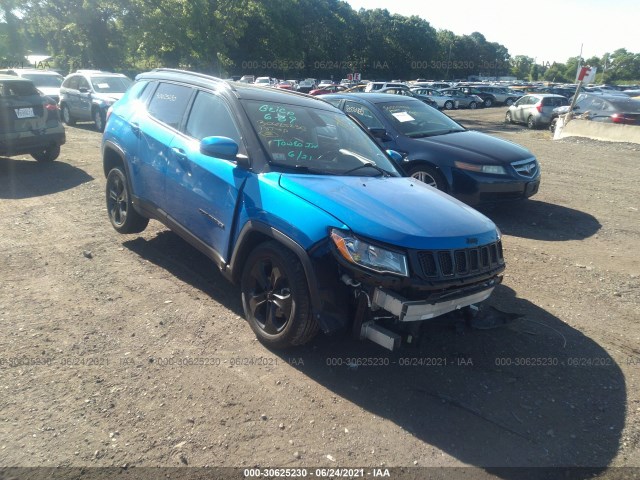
(29, 122)
(87, 95)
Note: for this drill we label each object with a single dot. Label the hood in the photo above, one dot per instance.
(470, 146)
(396, 210)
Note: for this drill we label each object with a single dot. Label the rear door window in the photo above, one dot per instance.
(169, 103)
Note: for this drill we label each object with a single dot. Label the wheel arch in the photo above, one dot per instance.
(113, 156)
(421, 162)
(253, 234)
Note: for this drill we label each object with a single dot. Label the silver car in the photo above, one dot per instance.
(535, 110)
(465, 100)
(444, 101)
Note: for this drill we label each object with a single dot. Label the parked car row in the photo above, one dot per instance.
(543, 109)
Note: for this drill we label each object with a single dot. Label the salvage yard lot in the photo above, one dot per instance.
(132, 349)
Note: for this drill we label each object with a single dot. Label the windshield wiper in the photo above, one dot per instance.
(434, 134)
(422, 134)
(382, 171)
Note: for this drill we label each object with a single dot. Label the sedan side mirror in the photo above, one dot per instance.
(380, 134)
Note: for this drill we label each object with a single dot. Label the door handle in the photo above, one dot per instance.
(181, 157)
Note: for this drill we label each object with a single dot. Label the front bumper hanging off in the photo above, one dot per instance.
(416, 310)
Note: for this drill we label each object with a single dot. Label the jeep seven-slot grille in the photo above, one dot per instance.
(460, 263)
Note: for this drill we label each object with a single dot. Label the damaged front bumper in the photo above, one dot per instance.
(417, 310)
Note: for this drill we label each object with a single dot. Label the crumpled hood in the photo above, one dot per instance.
(396, 210)
(475, 146)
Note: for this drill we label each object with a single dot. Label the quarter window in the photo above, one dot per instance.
(169, 103)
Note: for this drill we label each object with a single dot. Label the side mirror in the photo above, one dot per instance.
(395, 156)
(380, 134)
(222, 147)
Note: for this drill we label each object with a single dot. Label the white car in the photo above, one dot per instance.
(263, 81)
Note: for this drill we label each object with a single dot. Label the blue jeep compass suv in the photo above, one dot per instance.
(297, 204)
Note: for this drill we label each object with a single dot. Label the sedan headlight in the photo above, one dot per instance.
(494, 169)
(364, 254)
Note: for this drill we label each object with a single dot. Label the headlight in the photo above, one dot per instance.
(494, 169)
(373, 257)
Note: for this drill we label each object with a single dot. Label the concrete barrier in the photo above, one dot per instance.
(608, 132)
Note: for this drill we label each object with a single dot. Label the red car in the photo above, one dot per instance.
(285, 85)
(327, 89)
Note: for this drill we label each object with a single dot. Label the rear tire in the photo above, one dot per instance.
(123, 216)
(275, 297)
(99, 119)
(48, 154)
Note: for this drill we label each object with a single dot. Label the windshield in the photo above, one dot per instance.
(42, 80)
(417, 119)
(316, 141)
(110, 84)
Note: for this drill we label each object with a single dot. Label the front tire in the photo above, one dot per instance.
(507, 118)
(473, 105)
(48, 154)
(429, 175)
(448, 105)
(123, 216)
(275, 297)
(488, 102)
(531, 123)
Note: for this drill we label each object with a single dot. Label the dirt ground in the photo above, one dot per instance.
(131, 351)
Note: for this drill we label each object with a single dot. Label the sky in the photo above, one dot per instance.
(546, 30)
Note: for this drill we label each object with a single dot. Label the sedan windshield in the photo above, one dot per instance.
(416, 119)
(316, 141)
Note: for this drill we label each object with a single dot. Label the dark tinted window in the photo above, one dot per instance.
(17, 89)
(211, 117)
(554, 102)
(169, 103)
(363, 114)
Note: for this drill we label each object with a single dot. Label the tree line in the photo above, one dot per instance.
(278, 38)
